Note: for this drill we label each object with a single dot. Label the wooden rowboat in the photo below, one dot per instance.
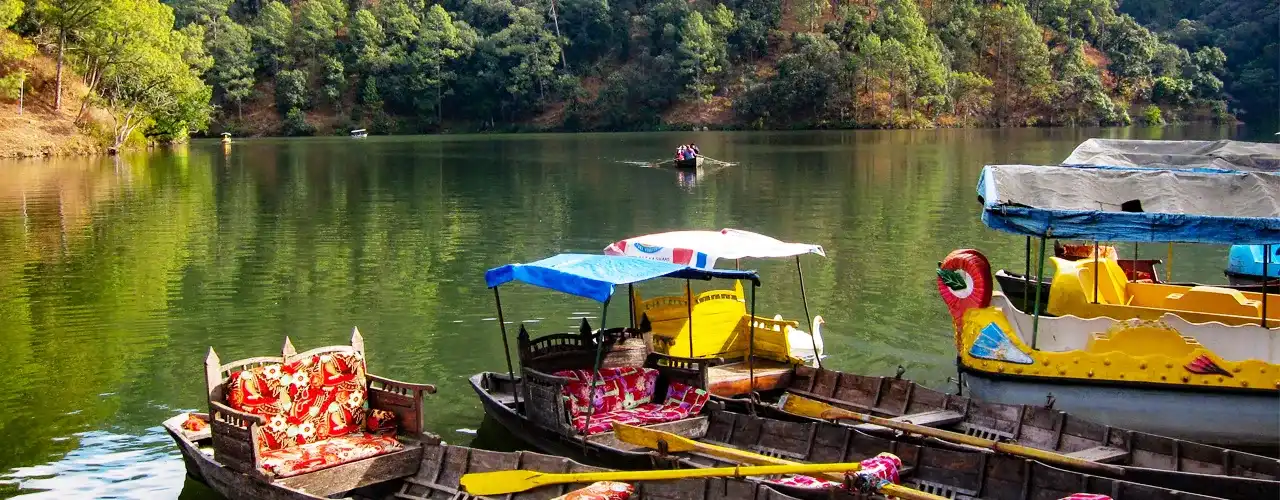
(928, 466)
(1158, 459)
(439, 472)
(693, 163)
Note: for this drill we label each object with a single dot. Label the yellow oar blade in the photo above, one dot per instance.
(803, 406)
(502, 482)
(653, 439)
(514, 481)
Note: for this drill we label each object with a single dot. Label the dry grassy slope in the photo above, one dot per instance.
(41, 131)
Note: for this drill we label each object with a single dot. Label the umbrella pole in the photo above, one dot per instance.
(751, 338)
(1096, 251)
(804, 299)
(1266, 257)
(595, 371)
(631, 303)
(1035, 322)
(688, 302)
(1026, 275)
(506, 347)
(1168, 265)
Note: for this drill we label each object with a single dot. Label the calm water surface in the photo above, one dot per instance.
(116, 277)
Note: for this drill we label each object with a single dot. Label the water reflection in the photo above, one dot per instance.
(117, 276)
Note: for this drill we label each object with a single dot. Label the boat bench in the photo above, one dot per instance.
(666, 389)
(315, 418)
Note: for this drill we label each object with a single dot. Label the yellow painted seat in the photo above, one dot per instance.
(1211, 298)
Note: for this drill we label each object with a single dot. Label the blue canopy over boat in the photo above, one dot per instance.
(1133, 204)
(594, 276)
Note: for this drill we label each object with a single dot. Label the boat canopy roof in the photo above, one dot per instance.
(1178, 155)
(1108, 203)
(701, 248)
(594, 276)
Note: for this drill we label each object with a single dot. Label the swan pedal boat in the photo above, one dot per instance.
(1187, 362)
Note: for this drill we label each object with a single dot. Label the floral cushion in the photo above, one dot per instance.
(602, 490)
(616, 389)
(805, 482)
(332, 451)
(381, 422)
(304, 401)
(876, 471)
(645, 414)
(689, 398)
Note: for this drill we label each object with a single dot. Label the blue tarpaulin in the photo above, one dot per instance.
(1132, 204)
(594, 276)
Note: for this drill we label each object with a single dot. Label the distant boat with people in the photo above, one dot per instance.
(687, 156)
(359, 133)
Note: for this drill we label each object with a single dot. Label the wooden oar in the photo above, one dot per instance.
(717, 161)
(675, 443)
(803, 406)
(515, 481)
(659, 440)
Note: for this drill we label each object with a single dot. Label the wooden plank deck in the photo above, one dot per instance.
(1100, 454)
(936, 418)
(734, 379)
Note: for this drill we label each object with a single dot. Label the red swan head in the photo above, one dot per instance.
(964, 281)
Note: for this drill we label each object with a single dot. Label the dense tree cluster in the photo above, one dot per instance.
(402, 66)
(1237, 41)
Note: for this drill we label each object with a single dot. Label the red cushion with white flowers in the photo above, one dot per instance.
(682, 402)
(336, 450)
(616, 389)
(304, 401)
(879, 470)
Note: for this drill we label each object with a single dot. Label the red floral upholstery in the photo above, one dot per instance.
(616, 389)
(336, 450)
(304, 401)
(879, 470)
(602, 490)
(194, 424)
(688, 398)
(622, 387)
(806, 482)
(381, 422)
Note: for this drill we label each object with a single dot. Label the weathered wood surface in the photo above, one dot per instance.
(1036, 426)
(733, 379)
(443, 467)
(943, 471)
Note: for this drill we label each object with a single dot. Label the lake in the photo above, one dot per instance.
(118, 275)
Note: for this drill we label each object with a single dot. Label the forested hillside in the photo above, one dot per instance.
(298, 67)
(1247, 31)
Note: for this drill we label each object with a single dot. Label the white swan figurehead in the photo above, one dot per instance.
(802, 344)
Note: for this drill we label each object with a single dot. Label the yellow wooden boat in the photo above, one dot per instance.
(1092, 288)
(750, 352)
(1188, 362)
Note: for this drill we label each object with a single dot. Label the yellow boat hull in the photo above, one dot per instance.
(1110, 369)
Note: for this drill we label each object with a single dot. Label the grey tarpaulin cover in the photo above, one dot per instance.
(1222, 155)
(1132, 204)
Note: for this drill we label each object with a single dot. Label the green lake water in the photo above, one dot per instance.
(118, 275)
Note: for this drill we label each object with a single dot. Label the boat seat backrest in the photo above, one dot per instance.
(304, 398)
